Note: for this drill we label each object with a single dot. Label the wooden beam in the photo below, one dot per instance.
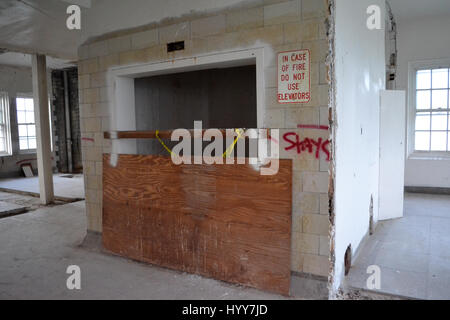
(163, 134)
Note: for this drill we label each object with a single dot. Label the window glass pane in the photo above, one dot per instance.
(423, 79)
(423, 121)
(2, 145)
(29, 105)
(23, 143)
(423, 100)
(438, 141)
(21, 117)
(32, 143)
(22, 130)
(440, 78)
(31, 130)
(439, 121)
(2, 131)
(29, 117)
(439, 99)
(20, 104)
(422, 141)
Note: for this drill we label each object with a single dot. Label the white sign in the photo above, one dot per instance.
(294, 85)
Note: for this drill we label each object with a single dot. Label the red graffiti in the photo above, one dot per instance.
(308, 144)
(312, 126)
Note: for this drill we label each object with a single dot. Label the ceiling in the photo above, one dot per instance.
(24, 60)
(411, 9)
(32, 26)
(39, 26)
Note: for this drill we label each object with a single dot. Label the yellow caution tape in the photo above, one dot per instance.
(230, 148)
(225, 154)
(163, 144)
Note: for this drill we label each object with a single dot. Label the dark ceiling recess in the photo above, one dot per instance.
(175, 46)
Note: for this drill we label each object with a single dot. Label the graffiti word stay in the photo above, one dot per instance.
(308, 144)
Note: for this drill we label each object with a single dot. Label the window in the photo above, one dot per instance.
(26, 124)
(432, 113)
(5, 133)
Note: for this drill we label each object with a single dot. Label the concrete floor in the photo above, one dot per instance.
(413, 252)
(37, 247)
(63, 187)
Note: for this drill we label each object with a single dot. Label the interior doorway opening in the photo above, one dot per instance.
(220, 98)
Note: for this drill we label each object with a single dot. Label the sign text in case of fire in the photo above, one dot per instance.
(294, 84)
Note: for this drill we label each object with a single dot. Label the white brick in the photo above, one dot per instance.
(315, 224)
(301, 31)
(324, 112)
(208, 26)
(323, 73)
(174, 32)
(271, 77)
(324, 247)
(297, 222)
(274, 118)
(97, 49)
(305, 243)
(119, 44)
(315, 182)
(245, 19)
(282, 12)
(307, 203)
(313, 8)
(145, 39)
(323, 203)
(314, 264)
(305, 116)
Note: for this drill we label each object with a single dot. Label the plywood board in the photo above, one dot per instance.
(222, 221)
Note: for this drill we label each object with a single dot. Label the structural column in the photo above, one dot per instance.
(44, 152)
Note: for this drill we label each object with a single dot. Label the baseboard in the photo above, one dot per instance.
(428, 190)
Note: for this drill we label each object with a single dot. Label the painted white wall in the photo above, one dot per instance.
(360, 75)
(423, 39)
(15, 80)
(392, 154)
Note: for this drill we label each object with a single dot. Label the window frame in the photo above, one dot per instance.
(25, 96)
(7, 118)
(413, 67)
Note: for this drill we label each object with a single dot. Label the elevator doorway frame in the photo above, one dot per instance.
(121, 86)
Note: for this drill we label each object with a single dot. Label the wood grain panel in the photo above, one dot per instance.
(222, 221)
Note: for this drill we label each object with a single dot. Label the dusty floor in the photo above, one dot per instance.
(63, 187)
(413, 252)
(37, 247)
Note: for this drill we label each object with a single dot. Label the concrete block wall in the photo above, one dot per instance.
(275, 25)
